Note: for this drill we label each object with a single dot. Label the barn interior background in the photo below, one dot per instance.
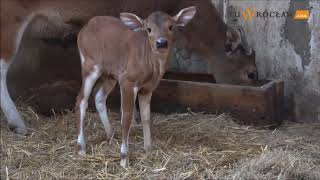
(187, 145)
(286, 49)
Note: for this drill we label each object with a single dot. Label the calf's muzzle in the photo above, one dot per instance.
(161, 43)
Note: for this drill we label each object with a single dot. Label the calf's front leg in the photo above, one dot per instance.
(144, 103)
(128, 96)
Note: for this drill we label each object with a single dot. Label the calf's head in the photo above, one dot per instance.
(159, 26)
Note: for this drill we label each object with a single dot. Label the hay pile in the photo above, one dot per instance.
(185, 146)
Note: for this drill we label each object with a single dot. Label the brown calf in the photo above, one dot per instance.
(133, 53)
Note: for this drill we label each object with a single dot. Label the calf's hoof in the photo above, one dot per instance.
(81, 148)
(124, 162)
(81, 153)
(18, 130)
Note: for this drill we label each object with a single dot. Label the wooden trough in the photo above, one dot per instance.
(258, 105)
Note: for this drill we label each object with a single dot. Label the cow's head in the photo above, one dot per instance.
(238, 69)
(246, 68)
(241, 57)
(159, 26)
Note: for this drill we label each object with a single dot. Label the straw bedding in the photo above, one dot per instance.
(185, 146)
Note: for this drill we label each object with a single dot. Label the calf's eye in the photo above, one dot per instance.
(170, 27)
(149, 30)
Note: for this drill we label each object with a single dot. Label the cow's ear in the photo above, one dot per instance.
(234, 35)
(132, 21)
(185, 16)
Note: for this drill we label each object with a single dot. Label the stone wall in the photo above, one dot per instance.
(285, 48)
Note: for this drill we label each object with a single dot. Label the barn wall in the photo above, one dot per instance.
(285, 49)
(186, 61)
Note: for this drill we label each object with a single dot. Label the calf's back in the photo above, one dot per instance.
(107, 42)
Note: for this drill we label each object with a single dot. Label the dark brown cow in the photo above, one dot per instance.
(59, 19)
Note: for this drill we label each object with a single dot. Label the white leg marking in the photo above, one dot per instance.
(88, 85)
(124, 150)
(10, 111)
(100, 101)
(135, 91)
(124, 147)
(81, 141)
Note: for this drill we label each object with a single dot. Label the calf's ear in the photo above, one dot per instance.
(132, 21)
(185, 16)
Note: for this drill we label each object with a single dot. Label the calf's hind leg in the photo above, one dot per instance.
(82, 104)
(103, 90)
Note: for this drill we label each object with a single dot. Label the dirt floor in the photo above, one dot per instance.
(185, 146)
